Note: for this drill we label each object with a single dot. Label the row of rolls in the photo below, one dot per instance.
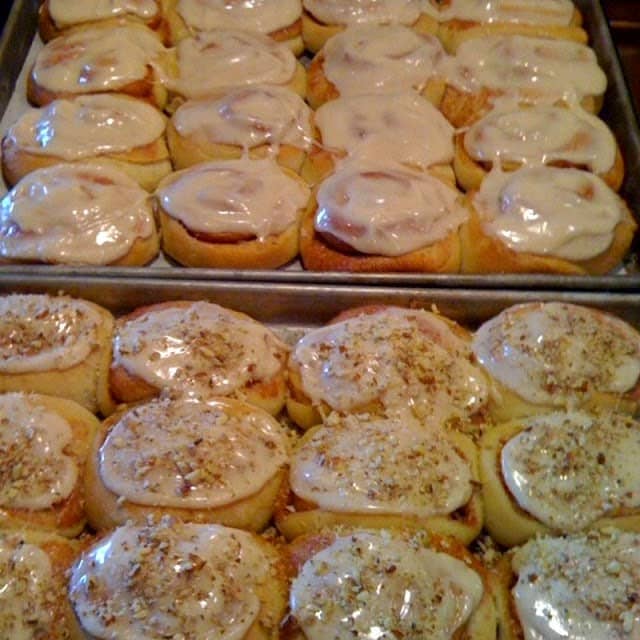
(396, 136)
(185, 471)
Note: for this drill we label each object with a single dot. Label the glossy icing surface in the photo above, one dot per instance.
(354, 12)
(69, 12)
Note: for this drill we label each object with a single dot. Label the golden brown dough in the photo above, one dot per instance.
(45, 446)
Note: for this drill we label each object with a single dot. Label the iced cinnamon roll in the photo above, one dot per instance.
(546, 220)
(213, 62)
(323, 19)
(78, 215)
(374, 217)
(578, 586)
(525, 68)
(44, 444)
(57, 16)
(33, 579)
(400, 127)
(554, 355)
(198, 348)
(56, 345)
(103, 58)
(221, 461)
(460, 20)
(167, 578)
(113, 130)
(387, 360)
(376, 59)
(259, 120)
(359, 470)
(359, 583)
(510, 136)
(561, 472)
(279, 19)
(233, 214)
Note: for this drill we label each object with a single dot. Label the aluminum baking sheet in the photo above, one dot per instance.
(19, 43)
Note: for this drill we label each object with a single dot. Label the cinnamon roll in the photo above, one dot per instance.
(221, 461)
(56, 345)
(546, 220)
(234, 214)
(258, 120)
(44, 444)
(114, 130)
(200, 349)
(555, 355)
(399, 472)
(103, 58)
(79, 215)
(376, 59)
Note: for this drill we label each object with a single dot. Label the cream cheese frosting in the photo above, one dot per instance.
(380, 58)
(191, 454)
(558, 354)
(248, 117)
(355, 12)
(40, 332)
(398, 357)
(212, 62)
(372, 585)
(583, 586)
(203, 348)
(401, 127)
(263, 16)
(88, 126)
(27, 586)
(68, 12)
(73, 214)
(389, 210)
(542, 134)
(566, 213)
(37, 473)
(253, 197)
(167, 579)
(570, 469)
(95, 59)
(537, 67)
(361, 464)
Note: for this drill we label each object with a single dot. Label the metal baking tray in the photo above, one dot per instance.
(618, 112)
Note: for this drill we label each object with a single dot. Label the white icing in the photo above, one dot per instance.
(543, 134)
(380, 58)
(370, 585)
(397, 357)
(386, 210)
(543, 12)
(263, 16)
(570, 469)
(170, 580)
(352, 12)
(566, 213)
(26, 589)
(253, 197)
(202, 347)
(212, 62)
(37, 473)
(400, 127)
(96, 59)
(247, 117)
(393, 466)
(538, 67)
(70, 12)
(88, 126)
(558, 353)
(579, 587)
(41, 332)
(74, 214)
(191, 454)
